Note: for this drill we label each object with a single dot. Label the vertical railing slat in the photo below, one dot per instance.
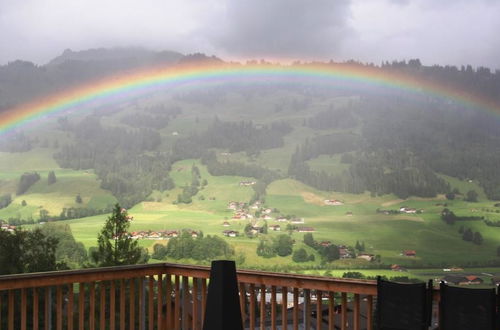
(151, 303)
(177, 304)
(252, 307)
(140, 295)
(92, 306)
(81, 306)
(23, 309)
(284, 307)
(122, 304)
(35, 309)
(295, 308)
(59, 308)
(262, 307)
(242, 302)
(11, 308)
(102, 307)
(112, 305)
(69, 310)
(343, 326)
(307, 309)
(131, 306)
(185, 302)
(203, 299)
(331, 310)
(369, 312)
(273, 307)
(168, 301)
(195, 304)
(356, 313)
(47, 308)
(319, 309)
(159, 302)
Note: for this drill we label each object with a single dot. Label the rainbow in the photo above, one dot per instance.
(165, 77)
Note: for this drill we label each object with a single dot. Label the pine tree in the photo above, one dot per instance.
(51, 178)
(478, 238)
(116, 247)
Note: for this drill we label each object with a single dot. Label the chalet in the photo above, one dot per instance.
(225, 224)
(281, 219)
(256, 230)
(344, 252)
(137, 234)
(325, 243)
(305, 230)
(409, 253)
(333, 202)
(267, 217)
(275, 227)
(247, 183)
(7, 227)
(232, 205)
(474, 279)
(455, 279)
(230, 233)
(171, 233)
(267, 211)
(397, 268)
(255, 206)
(366, 256)
(407, 210)
(297, 220)
(154, 235)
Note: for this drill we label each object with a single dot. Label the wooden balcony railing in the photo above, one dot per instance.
(171, 296)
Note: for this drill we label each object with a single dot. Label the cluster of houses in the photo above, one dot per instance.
(7, 227)
(243, 211)
(403, 209)
(161, 234)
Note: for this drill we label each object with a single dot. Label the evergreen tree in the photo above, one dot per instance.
(478, 238)
(300, 255)
(471, 196)
(468, 235)
(51, 178)
(115, 246)
(283, 245)
(78, 199)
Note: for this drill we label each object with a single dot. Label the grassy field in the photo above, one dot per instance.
(386, 235)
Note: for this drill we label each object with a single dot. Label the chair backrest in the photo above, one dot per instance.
(466, 308)
(403, 306)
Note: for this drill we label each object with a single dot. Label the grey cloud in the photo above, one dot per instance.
(290, 28)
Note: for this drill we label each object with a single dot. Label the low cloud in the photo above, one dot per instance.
(283, 28)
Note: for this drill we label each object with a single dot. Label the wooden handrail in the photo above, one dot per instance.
(44, 279)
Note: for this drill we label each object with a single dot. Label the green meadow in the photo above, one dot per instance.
(437, 244)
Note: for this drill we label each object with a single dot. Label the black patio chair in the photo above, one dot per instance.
(466, 308)
(403, 306)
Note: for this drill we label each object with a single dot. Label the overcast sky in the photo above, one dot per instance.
(436, 31)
